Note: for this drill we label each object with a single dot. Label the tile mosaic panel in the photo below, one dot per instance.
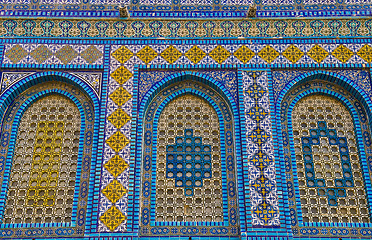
(188, 186)
(189, 164)
(184, 8)
(113, 208)
(260, 151)
(46, 177)
(328, 165)
(226, 54)
(239, 28)
(123, 59)
(53, 54)
(50, 165)
(321, 154)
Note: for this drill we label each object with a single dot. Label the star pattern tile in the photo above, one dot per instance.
(120, 96)
(219, 54)
(112, 218)
(121, 75)
(116, 166)
(268, 53)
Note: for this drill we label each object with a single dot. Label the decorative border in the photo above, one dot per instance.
(264, 204)
(184, 9)
(94, 80)
(159, 29)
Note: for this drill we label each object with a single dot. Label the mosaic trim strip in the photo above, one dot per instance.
(260, 151)
(184, 8)
(324, 53)
(115, 172)
(186, 29)
(44, 54)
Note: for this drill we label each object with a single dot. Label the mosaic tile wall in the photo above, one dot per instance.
(184, 8)
(260, 152)
(255, 75)
(237, 28)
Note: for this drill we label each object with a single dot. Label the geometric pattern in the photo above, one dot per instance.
(44, 192)
(120, 96)
(67, 54)
(201, 54)
(119, 118)
(123, 54)
(171, 162)
(57, 162)
(365, 53)
(189, 166)
(114, 191)
(244, 54)
(16, 54)
(336, 181)
(319, 170)
(265, 209)
(112, 218)
(117, 141)
(342, 53)
(268, 53)
(41, 54)
(147, 54)
(121, 75)
(116, 166)
(262, 28)
(91, 54)
(53, 54)
(219, 54)
(293, 53)
(162, 202)
(195, 54)
(317, 53)
(171, 54)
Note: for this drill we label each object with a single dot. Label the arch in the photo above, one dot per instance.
(153, 105)
(177, 95)
(342, 81)
(340, 90)
(42, 85)
(139, 107)
(15, 126)
(7, 97)
(189, 75)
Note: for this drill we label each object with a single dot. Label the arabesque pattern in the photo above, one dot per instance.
(187, 29)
